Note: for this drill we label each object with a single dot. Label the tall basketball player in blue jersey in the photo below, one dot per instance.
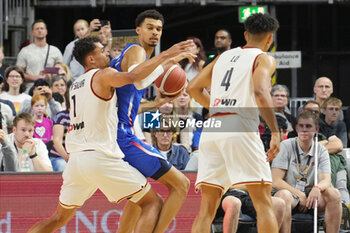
(148, 160)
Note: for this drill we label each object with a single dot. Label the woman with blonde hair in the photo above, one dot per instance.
(81, 30)
(187, 136)
(63, 69)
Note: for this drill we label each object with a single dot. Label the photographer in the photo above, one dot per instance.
(42, 87)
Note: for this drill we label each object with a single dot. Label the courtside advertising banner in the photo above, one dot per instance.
(28, 198)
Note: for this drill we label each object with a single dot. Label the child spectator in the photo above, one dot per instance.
(43, 125)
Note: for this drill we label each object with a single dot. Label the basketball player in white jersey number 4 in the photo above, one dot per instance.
(235, 156)
(96, 161)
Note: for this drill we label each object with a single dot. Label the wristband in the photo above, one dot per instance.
(33, 156)
(315, 186)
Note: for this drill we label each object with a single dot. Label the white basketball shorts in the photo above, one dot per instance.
(234, 156)
(88, 171)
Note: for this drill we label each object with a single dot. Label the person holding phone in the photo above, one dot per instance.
(42, 87)
(105, 35)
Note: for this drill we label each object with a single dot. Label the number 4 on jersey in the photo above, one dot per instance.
(226, 80)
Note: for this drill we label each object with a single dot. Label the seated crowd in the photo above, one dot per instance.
(34, 120)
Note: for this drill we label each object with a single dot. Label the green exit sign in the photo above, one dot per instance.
(246, 11)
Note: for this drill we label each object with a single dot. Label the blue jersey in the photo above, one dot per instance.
(128, 96)
(145, 158)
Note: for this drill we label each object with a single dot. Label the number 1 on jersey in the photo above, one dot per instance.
(226, 80)
(74, 110)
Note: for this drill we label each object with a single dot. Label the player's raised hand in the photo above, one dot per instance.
(176, 59)
(162, 99)
(274, 146)
(176, 49)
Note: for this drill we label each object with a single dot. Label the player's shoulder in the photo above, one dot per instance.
(134, 49)
(266, 59)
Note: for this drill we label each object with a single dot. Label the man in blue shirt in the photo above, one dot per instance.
(177, 155)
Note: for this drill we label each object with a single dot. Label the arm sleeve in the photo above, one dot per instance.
(324, 164)
(342, 133)
(282, 158)
(149, 79)
(55, 107)
(42, 153)
(21, 61)
(25, 106)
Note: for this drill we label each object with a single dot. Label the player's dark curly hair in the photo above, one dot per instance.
(153, 14)
(83, 47)
(261, 23)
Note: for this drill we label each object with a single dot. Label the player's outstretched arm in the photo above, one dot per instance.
(196, 88)
(113, 78)
(264, 68)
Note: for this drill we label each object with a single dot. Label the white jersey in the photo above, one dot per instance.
(232, 89)
(93, 120)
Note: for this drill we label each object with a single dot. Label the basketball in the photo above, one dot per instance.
(172, 81)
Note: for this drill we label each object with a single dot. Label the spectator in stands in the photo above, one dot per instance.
(22, 138)
(222, 42)
(280, 97)
(10, 104)
(334, 146)
(177, 155)
(8, 155)
(38, 55)
(188, 136)
(42, 87)
(63, 69)
(295, 183)
(282, 123)
(58, 154)
(235, 201)
(59, 85)
(312, 106)
(323, 89)
(6, 117)
(105, 35)
(81, 29)
(2, 65)
(117, 47)
(14, 87)
(43, 125)
(329, 120)
(166, 110)
(347, 121)
(192, 69)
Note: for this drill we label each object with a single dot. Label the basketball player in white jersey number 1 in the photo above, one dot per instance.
(240, 81)
(96, 161)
